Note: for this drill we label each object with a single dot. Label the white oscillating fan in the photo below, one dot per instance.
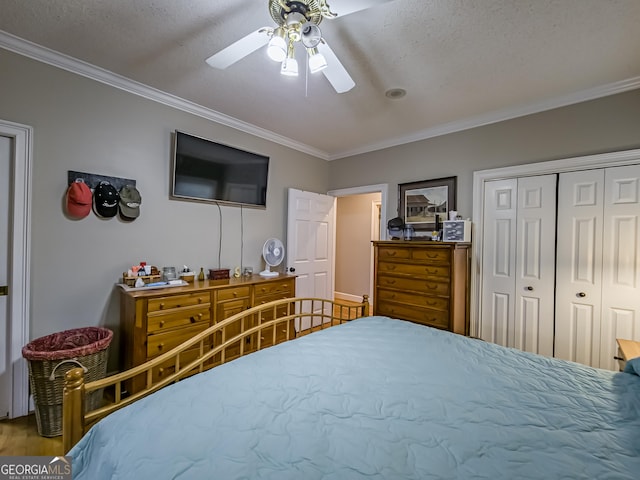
(273, 254)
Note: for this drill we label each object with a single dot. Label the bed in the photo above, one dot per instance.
(374, 398)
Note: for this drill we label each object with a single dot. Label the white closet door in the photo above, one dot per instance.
(621, 261)
(535, 264)
(579, 266)
(499, 262)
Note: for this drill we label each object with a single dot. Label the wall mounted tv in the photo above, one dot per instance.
(206, 171)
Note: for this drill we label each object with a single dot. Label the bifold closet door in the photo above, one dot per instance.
(518, 263)
(597, 270)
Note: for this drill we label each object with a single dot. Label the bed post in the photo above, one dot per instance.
(365, 305)
(72, 408)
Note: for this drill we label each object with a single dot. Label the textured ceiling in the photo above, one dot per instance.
(462, 62)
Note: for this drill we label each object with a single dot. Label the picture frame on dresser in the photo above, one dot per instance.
(420, 202)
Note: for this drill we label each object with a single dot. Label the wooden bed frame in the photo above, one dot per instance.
(253, 323)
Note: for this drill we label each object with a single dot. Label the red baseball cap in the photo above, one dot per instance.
(78, 199)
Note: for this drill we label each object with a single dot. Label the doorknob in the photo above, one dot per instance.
(292, 269)
(530, 288)
(4, 290)
(582, 294)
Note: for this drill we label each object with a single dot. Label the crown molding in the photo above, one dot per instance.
(37, 52)
(51, 57)
(500, 116)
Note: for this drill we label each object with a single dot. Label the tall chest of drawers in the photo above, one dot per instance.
(155, 321)
(423, 282)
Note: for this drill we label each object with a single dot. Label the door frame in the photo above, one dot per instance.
(383, 190)
(20, 262)
(480, 177)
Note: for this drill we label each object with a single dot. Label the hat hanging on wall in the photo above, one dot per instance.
(78, 199)
(105, 200)
(130, 201)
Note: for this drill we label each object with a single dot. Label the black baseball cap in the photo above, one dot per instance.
(105, 200)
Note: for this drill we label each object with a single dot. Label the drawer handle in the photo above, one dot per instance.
(199, 299)
(160, 371)
(235, 294)
(161, 324)
(391, 267)
(161, 306)
(431, 304)
(160, 346)
(391, 254)
(432, 255)
(431, 287)
(390, 281)
(431, 272)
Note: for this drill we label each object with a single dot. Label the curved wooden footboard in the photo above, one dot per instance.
(258, 324)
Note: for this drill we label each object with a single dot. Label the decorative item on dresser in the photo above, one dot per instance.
(423, 282)
(153, 322)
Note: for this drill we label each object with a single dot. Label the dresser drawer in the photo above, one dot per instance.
(425, 287)
(436, 303)
(432, 318)
(167, 368)
(232, 293)
(163, 342)
(178, 317)
(394, 253)
(177, 301)
(274, 290)
(435, 255)
(414, 269)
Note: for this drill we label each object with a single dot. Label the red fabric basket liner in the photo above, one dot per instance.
(77, 342)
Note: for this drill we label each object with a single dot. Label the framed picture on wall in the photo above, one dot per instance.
(420, 202)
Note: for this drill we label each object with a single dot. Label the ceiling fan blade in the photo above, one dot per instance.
(345, 7)
(335, 71)
(240, 49)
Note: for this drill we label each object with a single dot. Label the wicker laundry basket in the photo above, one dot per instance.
(51, 357)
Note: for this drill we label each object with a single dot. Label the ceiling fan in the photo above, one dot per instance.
(297, 22)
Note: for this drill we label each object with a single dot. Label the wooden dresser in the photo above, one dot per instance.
(424, 282)
(154, 321)
(627, 349)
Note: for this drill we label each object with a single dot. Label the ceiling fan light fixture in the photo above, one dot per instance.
(317, 62)
(290, 65)
(277, 48)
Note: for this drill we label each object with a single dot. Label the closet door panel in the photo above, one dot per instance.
(498, 262)
(621, 261)
(535, 268)
(579, 266)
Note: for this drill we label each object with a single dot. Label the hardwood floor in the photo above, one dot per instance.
(20, 437)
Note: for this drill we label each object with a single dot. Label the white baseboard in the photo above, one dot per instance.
(347, 296)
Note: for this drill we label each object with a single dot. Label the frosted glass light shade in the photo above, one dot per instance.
(317, 62)
(277, 47)
(289, 67)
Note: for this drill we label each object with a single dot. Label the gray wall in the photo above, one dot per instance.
(604, 125)
(83, 125)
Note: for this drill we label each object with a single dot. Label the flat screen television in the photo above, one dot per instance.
(206, 171)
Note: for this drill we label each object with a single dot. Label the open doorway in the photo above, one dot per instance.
(360, 219)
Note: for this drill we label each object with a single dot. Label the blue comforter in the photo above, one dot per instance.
(377, 399)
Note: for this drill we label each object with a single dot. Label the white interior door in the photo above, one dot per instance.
(535, 265)
(499, 262)
(579, 266)
(518, 263)
(6, 376)
(311, 243)
(621, 261)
